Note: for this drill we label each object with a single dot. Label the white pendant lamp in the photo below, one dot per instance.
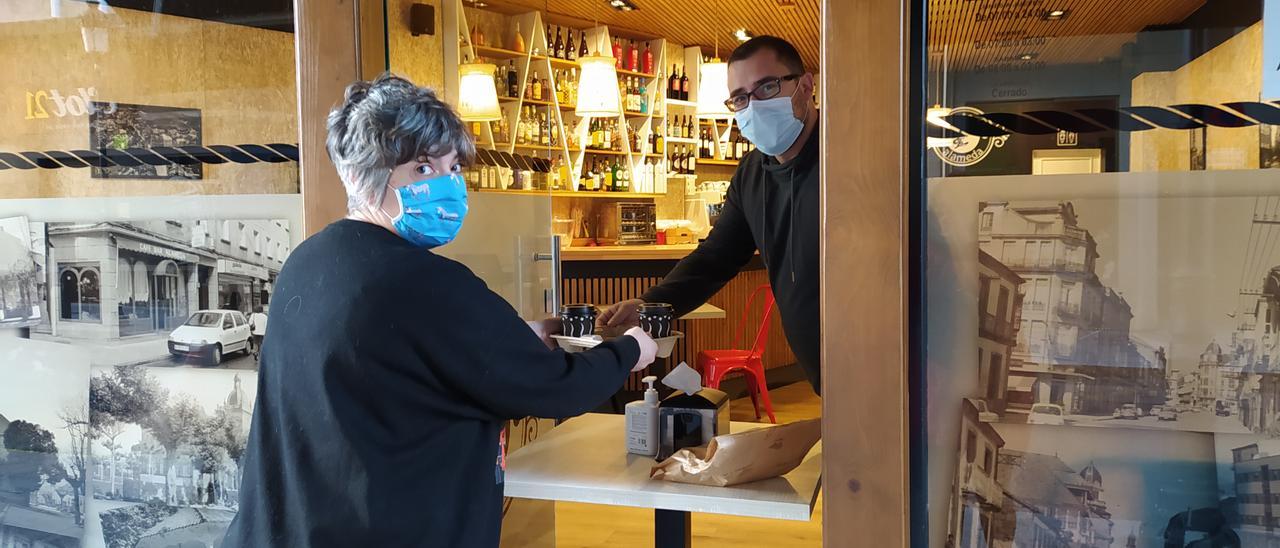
(713, 90)
(597, 88)
(477, 96)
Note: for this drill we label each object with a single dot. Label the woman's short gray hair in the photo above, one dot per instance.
(387, 122)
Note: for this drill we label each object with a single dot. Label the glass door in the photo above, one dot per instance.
(1101, 233)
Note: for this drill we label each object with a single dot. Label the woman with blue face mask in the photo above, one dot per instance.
(391, 369)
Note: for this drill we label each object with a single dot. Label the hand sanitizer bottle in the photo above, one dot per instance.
(642, 422)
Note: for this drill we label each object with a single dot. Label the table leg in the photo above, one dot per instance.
(672, 529)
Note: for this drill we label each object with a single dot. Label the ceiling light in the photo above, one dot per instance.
(1056, 15)
(1028, 56)
(743, 35)
(622, 5)
(481, 4)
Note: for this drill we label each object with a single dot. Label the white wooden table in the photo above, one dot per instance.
(585, 460)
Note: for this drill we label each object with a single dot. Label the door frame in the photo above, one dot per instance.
(871, 64)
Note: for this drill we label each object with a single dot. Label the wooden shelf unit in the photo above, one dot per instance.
(590, 194)
(565, 122)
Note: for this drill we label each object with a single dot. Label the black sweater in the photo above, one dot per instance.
(771, 207)
(385, 381)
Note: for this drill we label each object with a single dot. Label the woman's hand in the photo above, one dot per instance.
(648, 348)
(544, 329)
(624, 314)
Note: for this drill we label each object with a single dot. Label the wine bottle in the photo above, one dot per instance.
(673, 83)
(513, 89)
(537, 87)
(558, 48)
(684, 86)
(582, 49)
(570, 52)
(648, 59)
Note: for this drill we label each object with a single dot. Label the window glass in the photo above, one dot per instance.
(1114, 158)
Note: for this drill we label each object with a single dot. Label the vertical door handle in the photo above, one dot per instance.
(551, 302)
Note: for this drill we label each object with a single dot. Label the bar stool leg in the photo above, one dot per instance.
(672, 529)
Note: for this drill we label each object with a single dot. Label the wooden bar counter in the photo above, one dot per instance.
(606, 275)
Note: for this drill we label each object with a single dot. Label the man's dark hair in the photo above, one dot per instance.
(257, 308)
(786, 52)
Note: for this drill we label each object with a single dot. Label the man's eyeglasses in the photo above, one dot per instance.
(766, 89)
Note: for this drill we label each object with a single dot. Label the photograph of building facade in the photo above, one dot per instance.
(999, 313)
(977, 496)
(21, 274)
(1073, 347)
(1256, 469)
(121, 287)
(166, 466)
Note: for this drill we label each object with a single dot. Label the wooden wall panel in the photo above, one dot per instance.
(699, 334)
(864, 272)
(328, 60)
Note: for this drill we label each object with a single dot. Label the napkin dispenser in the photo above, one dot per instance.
(691, 420)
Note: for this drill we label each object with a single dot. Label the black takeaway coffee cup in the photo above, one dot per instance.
(578, 320)
(656, 319)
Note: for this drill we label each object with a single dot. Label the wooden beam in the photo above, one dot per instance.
(327, 61)
(864, 272)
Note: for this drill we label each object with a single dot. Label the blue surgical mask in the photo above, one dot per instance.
(431, 210)
(770, 124)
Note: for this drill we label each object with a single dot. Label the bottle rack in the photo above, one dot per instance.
(561, 118)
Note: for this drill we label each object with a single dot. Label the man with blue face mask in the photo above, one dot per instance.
(771, 205)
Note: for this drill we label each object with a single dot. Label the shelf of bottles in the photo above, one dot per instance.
(537, 78)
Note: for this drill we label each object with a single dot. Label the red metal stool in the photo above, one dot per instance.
(715, 364)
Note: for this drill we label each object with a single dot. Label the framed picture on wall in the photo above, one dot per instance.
(1199, 155)
(125, 126)
(1268, 146)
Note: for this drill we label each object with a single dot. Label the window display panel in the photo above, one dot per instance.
(1101, 236)
(133, 98)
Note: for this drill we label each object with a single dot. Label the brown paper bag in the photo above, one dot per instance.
(744, 457)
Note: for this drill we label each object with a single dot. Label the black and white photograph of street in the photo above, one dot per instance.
(167, 293)
(1020, 485)
(44, 427)
(167, 454)
(21, 268)
(1157, 313)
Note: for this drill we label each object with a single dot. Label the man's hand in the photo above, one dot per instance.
(648, 348)
(623, 315)
(544, 329)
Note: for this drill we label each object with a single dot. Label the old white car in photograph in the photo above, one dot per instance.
(210, 335)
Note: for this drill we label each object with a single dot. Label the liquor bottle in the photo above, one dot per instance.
(673, 84)
(517, 43)
(648, 59)
(644, 98)
(684, 86)
(659, 142)
(702, 144)
(513, 89)
(607, 181)
(617, 53)
(570, 52)
(607, 143)
(688, 132)
(558, 48)
(537, 87)
(582, 48)
(573, 87)
(500, 82)
(546, 90)
(633, 57)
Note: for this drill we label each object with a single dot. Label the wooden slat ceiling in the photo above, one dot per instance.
(989, 33)
(691, 22)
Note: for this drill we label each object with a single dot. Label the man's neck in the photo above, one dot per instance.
(810, 122)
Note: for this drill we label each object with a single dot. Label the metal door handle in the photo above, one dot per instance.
(551, 305)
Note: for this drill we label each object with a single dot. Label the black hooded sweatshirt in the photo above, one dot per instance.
(771, 207)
